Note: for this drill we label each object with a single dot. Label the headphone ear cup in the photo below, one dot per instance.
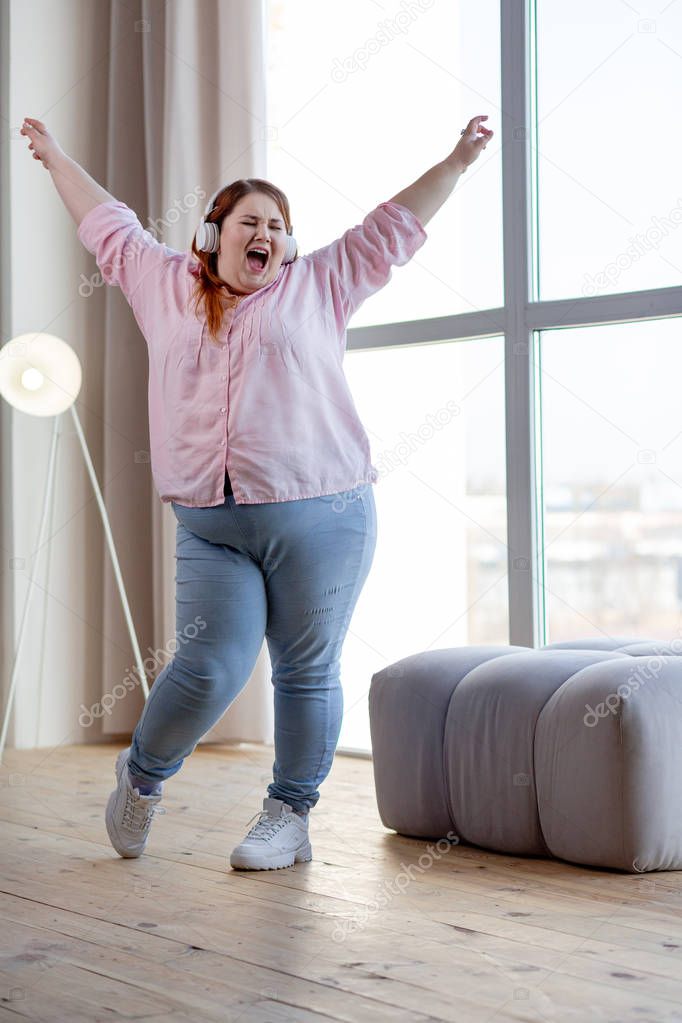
(212, 238)
(290, 252)
(207, 237)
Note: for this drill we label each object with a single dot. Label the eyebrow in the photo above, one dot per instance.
(253, 216)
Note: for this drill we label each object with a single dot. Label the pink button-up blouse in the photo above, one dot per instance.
(270, 404)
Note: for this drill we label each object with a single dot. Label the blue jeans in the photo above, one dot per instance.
(290, 572)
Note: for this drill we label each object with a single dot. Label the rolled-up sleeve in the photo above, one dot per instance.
(361, 259)
(127, 254)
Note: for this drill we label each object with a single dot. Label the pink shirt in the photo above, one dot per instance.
(270, 403)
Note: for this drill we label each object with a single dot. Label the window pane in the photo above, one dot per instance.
(434, 414)
(612, 456)
(363, 99)
(609, 150)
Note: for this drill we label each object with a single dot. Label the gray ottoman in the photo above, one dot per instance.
(572, 751)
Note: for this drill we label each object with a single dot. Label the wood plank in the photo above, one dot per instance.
(474, 935)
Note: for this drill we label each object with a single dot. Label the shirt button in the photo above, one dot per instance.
(222, 409)
(223, 377)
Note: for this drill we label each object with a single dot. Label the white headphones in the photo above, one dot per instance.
(207, 237)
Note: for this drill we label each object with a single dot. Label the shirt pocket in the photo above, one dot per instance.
(273, 342)
(192, 336)
(191, 341)
(178, 344)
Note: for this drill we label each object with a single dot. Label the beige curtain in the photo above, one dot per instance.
(166, 99)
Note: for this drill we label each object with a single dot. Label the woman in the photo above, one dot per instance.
(245, 375)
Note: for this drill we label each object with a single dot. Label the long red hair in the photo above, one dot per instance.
(209, 287)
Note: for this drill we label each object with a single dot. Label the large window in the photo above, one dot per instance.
(612, 444)
(435, 418)
(364, 97)
(609, 150)
(546, 305)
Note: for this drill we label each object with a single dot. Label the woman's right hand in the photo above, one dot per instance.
(44, 145)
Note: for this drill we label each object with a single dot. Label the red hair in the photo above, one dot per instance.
(210, 288)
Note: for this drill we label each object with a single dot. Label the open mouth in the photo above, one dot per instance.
(257, 261)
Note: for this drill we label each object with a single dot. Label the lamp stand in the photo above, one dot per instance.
(47, 505)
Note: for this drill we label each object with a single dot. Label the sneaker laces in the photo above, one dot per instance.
(139, 811)
(266, 825)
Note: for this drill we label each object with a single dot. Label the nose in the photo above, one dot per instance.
(263, 233)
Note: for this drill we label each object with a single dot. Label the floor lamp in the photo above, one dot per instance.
(41, 374)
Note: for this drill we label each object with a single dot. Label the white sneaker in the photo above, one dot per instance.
(129, 814)
(278, 839)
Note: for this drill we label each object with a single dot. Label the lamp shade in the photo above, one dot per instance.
(39, 374)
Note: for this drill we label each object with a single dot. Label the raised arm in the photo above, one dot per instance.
(428, 193)
(128, 255)
(80, 192)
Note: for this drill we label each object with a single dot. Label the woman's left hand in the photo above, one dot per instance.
(471, 143)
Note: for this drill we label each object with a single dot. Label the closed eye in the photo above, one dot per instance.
(277, 227)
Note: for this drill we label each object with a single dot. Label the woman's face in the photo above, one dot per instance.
(255, 223)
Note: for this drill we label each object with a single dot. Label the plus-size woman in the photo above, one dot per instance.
(257, 445)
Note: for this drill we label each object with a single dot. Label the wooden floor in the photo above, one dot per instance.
(177, 935)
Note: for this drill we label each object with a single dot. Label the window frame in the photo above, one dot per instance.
(521, 320)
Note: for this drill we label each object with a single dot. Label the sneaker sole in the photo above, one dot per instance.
(302, 855)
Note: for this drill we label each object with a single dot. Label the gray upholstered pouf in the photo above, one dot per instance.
(572, 751)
